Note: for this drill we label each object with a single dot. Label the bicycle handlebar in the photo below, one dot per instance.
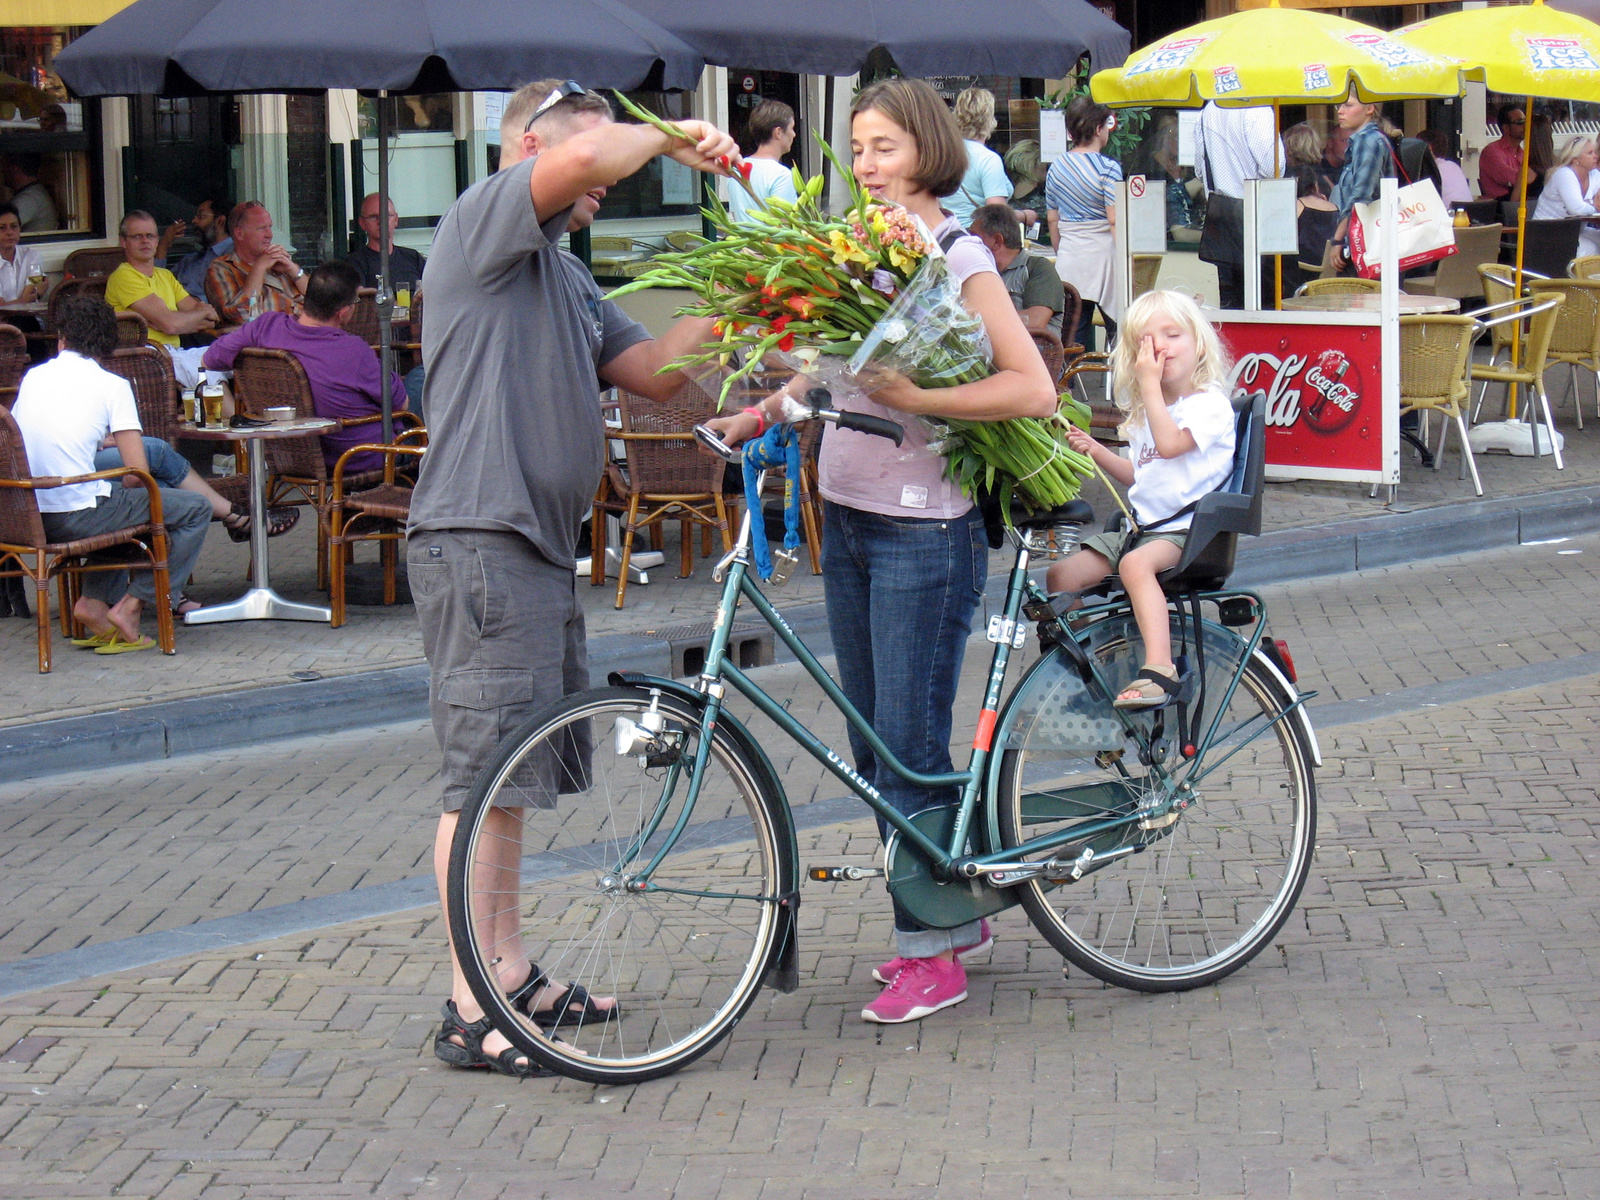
(817, 401)
(820, 399)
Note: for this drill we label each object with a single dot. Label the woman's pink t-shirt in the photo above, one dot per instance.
(872, 473)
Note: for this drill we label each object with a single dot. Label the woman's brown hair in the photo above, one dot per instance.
(916, 108)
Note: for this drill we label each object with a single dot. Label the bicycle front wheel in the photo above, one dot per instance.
(575, 852)
(1184, 903)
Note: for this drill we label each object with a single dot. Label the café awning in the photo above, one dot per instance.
(59, 12)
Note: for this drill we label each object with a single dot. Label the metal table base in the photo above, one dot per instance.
(260, 603)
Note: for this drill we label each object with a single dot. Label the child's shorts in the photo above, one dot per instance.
(1110, 545)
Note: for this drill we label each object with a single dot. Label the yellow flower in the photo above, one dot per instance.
(879, 225)
(902, 258)
(845, 251)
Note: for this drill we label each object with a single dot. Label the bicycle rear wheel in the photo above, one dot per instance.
(550, 860)
(1188, 903)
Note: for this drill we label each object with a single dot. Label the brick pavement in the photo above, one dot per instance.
(219, 658)
(96, 856)
(1425, 1028)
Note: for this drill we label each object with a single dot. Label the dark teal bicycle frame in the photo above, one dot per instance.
(945, 861)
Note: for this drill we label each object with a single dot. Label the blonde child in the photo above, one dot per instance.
(1169, 374)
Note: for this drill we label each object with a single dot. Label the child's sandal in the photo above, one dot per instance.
(1154, 688)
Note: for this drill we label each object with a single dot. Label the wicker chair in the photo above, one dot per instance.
(93, 285)
(666, 477)
(25, 552)
(1145, 269)
(1576, 337)
(14, 362)
(132, 329)
(92, 262)
(1078, 362)
(1457, 276)
(363, 321)
(1339, 285)
(1585, 266)
(1051, 350)
(1541, 311)
(297, 472)
(384, 509)
(1434, 351)
(155, 390)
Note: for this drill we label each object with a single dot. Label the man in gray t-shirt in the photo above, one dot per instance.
(518, 343)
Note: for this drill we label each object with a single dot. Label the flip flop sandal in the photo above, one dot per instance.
(471, 1054)
(119, 645)
(95, 639)
(279, 520)
(178, 608)
(1156, 690)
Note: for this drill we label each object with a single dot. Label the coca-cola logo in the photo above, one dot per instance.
(1328, 394)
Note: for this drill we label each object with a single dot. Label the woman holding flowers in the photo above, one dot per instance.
(904, 552)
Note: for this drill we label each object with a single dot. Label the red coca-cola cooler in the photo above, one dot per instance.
(1333, 412)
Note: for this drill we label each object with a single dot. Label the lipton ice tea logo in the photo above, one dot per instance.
(1386, 50)
(1169, 56)
(1559, 54)
(1226, 80)
(1316, 77)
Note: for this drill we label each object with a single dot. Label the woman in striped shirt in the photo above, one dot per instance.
(1079, 194)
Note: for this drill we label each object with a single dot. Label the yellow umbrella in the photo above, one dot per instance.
(1276, 55)
(1528, 50)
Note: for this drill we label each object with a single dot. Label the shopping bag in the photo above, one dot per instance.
(1426, 233)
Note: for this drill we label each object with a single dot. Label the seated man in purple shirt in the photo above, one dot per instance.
(342, 368)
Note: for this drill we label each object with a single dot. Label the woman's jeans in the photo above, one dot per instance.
(901, 594)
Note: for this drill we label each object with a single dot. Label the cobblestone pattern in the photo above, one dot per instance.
(217, 658)
(101, 855)
(1425, 1029)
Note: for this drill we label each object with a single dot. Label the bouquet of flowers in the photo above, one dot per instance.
(843, 297)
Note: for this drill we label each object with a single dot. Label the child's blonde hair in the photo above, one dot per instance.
(1211, 364)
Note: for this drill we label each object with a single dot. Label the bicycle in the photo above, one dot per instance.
(654, 855)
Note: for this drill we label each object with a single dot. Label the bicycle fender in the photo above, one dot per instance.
(783, 970)
(1300, 717)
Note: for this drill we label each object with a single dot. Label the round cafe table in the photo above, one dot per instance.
(260, 602)
(1370, 302)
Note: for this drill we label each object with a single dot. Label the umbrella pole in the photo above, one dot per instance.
(1277, 171)
(1522, 234)
(385, 298)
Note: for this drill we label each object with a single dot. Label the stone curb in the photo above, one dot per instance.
(173, 727)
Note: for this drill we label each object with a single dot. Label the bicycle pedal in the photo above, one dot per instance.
(847, 874)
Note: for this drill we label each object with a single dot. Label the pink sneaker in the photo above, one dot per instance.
(885, 973)
(921, 987)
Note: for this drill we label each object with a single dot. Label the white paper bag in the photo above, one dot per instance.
(1426, 234)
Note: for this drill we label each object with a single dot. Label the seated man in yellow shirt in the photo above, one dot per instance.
(153, 292)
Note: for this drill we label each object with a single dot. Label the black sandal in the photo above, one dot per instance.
(1147, 681)
(471, 1054)
(576, 996)
(279, 520)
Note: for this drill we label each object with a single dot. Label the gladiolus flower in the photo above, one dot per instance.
(803, 305)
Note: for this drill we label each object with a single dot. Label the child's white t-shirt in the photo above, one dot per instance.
(1161, 486)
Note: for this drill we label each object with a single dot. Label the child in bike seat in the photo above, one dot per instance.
(1169, 374)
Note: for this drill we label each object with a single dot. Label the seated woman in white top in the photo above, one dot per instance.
(1570, 187)
(17, 262)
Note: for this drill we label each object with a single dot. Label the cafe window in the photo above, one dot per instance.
(430, 113)
(49, 142)
(655, 209)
